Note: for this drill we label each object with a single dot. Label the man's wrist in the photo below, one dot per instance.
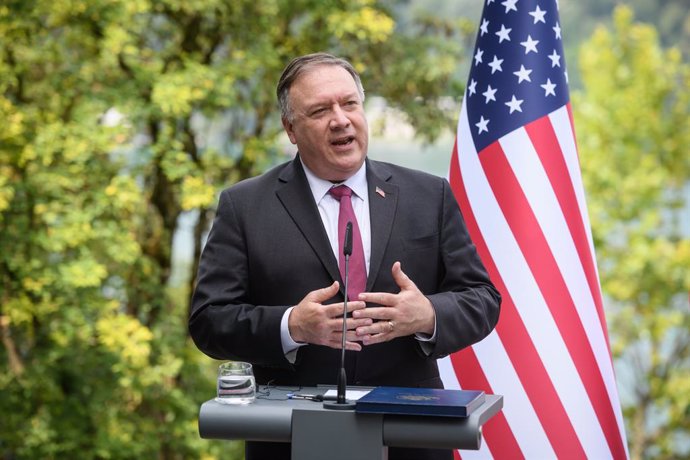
(287, 340)
(429, 326)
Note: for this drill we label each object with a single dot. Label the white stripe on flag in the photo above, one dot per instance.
(445, 368)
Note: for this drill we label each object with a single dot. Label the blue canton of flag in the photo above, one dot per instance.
(518, 72)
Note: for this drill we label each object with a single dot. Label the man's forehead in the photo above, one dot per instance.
(328, 81)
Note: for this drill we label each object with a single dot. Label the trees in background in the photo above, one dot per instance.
(670, 17)
(633, 124)
(119, 118)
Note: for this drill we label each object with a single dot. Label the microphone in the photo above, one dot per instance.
(347, 245)
(341, 402)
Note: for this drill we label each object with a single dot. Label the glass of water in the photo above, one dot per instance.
(236, 384)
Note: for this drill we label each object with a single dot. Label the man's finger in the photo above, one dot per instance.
(323, 294)
(336, 309)
(380, 313)
(350, 344)
(376, 328)
(376, 338)
(401, 279)
(380, 298)
(336, 324)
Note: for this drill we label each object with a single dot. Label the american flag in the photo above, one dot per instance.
(515, 173)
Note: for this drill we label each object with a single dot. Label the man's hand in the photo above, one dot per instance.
(312, 322)
(405, 313)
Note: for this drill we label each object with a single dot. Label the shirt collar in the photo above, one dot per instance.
(320, 187)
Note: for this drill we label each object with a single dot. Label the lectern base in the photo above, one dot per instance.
(337, 435)
(347, 405)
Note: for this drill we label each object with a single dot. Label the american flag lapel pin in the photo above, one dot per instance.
(380, 192)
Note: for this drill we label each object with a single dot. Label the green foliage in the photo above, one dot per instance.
(119, 118)
(671, 18)
(633, 117)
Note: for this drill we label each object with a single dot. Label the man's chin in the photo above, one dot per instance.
(344, 171)
(353, 162)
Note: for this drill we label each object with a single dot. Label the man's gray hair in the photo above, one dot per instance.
(300, 65)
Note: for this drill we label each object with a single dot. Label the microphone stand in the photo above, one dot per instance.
(341, 402)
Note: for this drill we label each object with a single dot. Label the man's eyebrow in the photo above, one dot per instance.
(315, 106)
(326, 103)
(352, 95)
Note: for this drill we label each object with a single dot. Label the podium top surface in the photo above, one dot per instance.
(270, 419)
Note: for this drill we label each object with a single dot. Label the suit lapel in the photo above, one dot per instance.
(383, 202)
(294, 193)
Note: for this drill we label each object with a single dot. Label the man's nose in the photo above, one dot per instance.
(339, 118)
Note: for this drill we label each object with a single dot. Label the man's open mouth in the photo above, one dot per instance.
(343, 140)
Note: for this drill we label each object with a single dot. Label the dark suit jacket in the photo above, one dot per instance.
(267, 249)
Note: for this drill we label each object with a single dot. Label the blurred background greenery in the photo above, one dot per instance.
(123, 119)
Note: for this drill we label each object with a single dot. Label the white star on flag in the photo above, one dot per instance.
(523, 74)
(472, 87)
(496, 65)
(489, 94)
(549, 88)
(555, 59)
(503, 34)
(510, 5)
(484, 27)
(530, 44)
(538, 15)
(482, 125)
(478, 57)
(514, 104)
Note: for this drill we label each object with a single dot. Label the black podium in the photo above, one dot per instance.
(317, 433)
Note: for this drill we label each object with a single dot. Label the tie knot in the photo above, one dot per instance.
(340, 191)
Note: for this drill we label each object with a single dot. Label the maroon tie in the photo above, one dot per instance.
(358, 272)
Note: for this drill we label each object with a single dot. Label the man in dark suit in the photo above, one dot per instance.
(269, 287)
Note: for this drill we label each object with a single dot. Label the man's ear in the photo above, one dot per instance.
(288, 129)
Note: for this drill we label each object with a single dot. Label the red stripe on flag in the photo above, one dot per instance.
(546, 144)
(535, 248)
(468, 371)
(518, 343)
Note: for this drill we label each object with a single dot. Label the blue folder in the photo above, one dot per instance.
(420, 401)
